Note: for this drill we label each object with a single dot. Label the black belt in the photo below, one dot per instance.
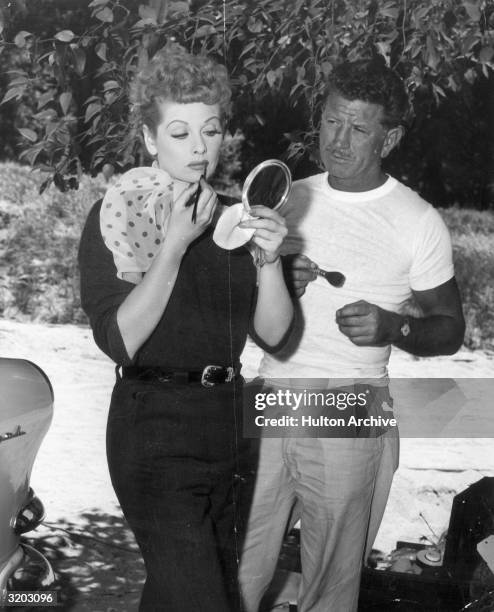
(210, 376)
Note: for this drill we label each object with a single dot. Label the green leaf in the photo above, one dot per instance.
(470, 41)
(45, 184)
(46, 115)
(21, 80)
(472, 9)
(110, 97)
(101, 51)
(179, 7)
(65, 36)
(18, 72)
(29, 134)
(486, 54)
(205, 30)
(254, 26)
(390, 12)
(385, 50)
(249, 47)
(438, 92)
(92, 110)
(20, 39)
(32, 153)
(271, 78)
(105, 15)
(148, 12)
(141, 24)
(92, 99)
(96, 3)
(326, 68)
(15, 92)
(46, 97)
(111, 85)
(65, 100)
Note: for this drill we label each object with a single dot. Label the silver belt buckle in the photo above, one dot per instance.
(209, 372)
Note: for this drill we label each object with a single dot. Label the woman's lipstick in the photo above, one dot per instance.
(200, 165)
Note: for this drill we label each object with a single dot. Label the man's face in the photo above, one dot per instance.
(352, 142)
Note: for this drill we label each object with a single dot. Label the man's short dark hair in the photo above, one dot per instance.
(372, 81)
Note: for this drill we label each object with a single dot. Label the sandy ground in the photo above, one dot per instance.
(70, 473)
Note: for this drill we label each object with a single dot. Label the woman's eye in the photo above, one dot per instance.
(180, 136)
(359, 129)
(212, 132)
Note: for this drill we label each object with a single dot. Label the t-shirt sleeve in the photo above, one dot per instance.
(432, 263)
(102, 291)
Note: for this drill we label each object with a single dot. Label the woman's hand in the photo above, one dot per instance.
(270, 231)
(182, 229)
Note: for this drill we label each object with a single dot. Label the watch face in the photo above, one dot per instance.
(405, 328)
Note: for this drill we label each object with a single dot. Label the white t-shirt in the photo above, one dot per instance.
(386, 242)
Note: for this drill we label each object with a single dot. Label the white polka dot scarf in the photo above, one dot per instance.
(134, 217)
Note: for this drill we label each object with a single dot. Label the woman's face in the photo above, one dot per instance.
(187, 141)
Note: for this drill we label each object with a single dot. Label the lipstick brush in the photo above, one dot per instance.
(194, 199)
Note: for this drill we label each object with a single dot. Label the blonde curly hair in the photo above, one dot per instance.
(176, 75)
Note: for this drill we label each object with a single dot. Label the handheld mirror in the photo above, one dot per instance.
(268, 184)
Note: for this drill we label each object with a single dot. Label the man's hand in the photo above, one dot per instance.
(299, 271)
(367, 324)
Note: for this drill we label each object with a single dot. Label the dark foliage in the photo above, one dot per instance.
(73, 63)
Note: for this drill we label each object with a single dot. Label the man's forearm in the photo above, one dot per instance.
(429, 336)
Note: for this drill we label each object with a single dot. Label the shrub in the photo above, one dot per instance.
(70, 65)
(38, 245)
(473, 244)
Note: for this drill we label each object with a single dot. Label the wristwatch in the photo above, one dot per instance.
(405, 327)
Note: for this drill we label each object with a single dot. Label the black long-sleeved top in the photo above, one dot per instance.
(206, 319)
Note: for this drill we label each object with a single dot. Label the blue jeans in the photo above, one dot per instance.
(177, 461)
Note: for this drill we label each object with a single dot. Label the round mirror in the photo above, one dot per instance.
(268, 184)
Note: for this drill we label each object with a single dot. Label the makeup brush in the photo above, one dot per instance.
(337, 279)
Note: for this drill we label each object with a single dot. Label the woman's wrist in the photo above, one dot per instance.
(174, 247)
(276, 260)
(270, 262)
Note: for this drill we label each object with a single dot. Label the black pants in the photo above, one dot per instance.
(177, 461)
